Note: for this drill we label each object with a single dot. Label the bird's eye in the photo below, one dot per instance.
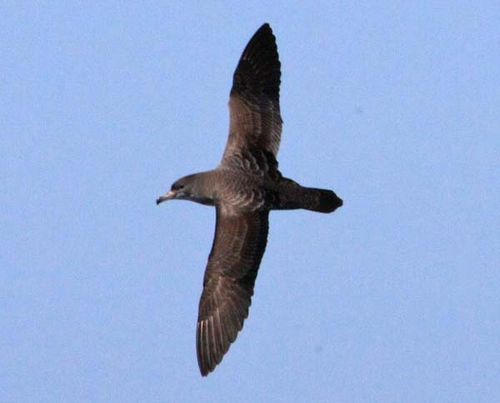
(177, 186)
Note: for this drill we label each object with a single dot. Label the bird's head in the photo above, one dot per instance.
(189, 187)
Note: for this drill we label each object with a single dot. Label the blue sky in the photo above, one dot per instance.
(393, 298)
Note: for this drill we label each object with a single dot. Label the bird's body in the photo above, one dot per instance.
(244, 188)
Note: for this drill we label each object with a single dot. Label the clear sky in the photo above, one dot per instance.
(393, 298)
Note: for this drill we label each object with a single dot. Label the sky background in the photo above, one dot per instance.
(393, 298)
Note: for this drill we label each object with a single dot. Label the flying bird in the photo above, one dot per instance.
(244, 188)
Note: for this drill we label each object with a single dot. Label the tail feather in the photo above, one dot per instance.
(294, 196)
(321, 200)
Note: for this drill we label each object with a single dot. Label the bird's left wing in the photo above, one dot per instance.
(254, 106)
(238, 247)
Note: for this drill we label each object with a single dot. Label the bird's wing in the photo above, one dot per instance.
(239, 243)
(255, 120)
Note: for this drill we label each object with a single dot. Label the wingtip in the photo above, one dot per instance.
(205, 367)
(264, 29)
(204, 372)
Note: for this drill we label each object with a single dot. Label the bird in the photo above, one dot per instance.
(243, 188)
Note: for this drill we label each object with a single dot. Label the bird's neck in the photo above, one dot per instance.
(206, 190)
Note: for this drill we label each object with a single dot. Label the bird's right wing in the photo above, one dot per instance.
(255, 119)
(238, 247)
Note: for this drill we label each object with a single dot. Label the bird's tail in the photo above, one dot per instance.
(294, 196)
(320, 200)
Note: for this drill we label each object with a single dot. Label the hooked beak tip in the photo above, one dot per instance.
(170, 195)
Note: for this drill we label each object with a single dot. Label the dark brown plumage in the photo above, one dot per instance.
(244, 188)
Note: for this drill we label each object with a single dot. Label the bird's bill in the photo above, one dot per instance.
(168, 196)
